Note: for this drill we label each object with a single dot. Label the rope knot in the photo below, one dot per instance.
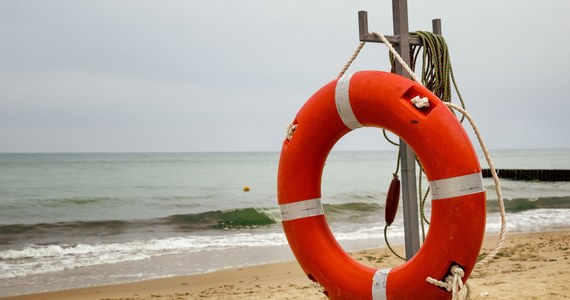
(290, 131)
(453, 283)
(456, 270)
(420, 102)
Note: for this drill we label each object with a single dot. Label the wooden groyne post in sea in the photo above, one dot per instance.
(530, 174)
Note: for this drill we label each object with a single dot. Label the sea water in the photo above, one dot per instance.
(75, 220)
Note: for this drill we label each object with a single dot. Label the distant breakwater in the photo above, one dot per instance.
(530, 174)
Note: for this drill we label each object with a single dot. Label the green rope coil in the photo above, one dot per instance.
(437, 73)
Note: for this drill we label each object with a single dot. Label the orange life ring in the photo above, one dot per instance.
(379, 99)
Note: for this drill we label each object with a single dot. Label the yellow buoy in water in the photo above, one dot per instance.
(246, 188)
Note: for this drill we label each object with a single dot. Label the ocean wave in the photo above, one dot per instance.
(243, 218)
(257, 217)
(226, 219)
(522, 204)
(22, 232)
(255, 231)
(218, 219)
(235, 218)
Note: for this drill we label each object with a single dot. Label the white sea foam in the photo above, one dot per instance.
(37, 259)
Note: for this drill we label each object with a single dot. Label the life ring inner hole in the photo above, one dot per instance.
(353, 191)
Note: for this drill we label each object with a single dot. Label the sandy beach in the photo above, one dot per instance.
(530, 266)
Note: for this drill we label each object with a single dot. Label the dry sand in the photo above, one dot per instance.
(530, 266)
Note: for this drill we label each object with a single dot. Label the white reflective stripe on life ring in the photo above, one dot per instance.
(456, 186)
(379, 282)
(342, 101)
(301, 209)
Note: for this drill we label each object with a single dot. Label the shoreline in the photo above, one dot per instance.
(531, 265)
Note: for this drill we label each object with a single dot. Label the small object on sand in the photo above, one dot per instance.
(246, 188)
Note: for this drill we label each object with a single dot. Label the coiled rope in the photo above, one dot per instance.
(436, 65)
(435, 77)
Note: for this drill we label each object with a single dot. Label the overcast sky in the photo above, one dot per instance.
(140, 75)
